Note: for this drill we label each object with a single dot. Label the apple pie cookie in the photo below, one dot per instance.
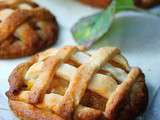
(73, 84)
(25, 28)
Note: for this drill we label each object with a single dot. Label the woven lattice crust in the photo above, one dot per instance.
(25, 28)
(70, 83)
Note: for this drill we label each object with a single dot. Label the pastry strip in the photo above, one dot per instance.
(51, 101)
(7, 27)
(48, 71)
(43, 81)
(120, 93)
(104, 85)
(80, 81)
(82, 58)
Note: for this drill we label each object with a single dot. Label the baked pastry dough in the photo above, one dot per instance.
(70, 83)
(25, 28)
(146, 3)
(97, 3)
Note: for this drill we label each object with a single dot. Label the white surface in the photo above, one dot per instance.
(138, 36)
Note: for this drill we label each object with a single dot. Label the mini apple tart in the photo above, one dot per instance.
(73, 84)
(25, 28)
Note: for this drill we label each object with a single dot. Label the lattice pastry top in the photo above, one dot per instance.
(70, 83)
(25, 28)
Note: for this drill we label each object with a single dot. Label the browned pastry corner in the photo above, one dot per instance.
(72, 84)
(25, 28)
(97, 3)
(105, 3)
(147, 3)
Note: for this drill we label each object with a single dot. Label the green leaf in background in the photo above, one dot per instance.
(122, 5)
(90, 29)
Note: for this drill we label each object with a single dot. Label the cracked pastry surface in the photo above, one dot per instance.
(25, 28)
(71, 83)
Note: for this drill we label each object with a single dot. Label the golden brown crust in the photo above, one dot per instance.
(16, 79)
(29, 112)
(132, 104)
(89, 115)
(47, 73)
(127, 100)
(146, 3)
(105, 3)
(25, 31)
